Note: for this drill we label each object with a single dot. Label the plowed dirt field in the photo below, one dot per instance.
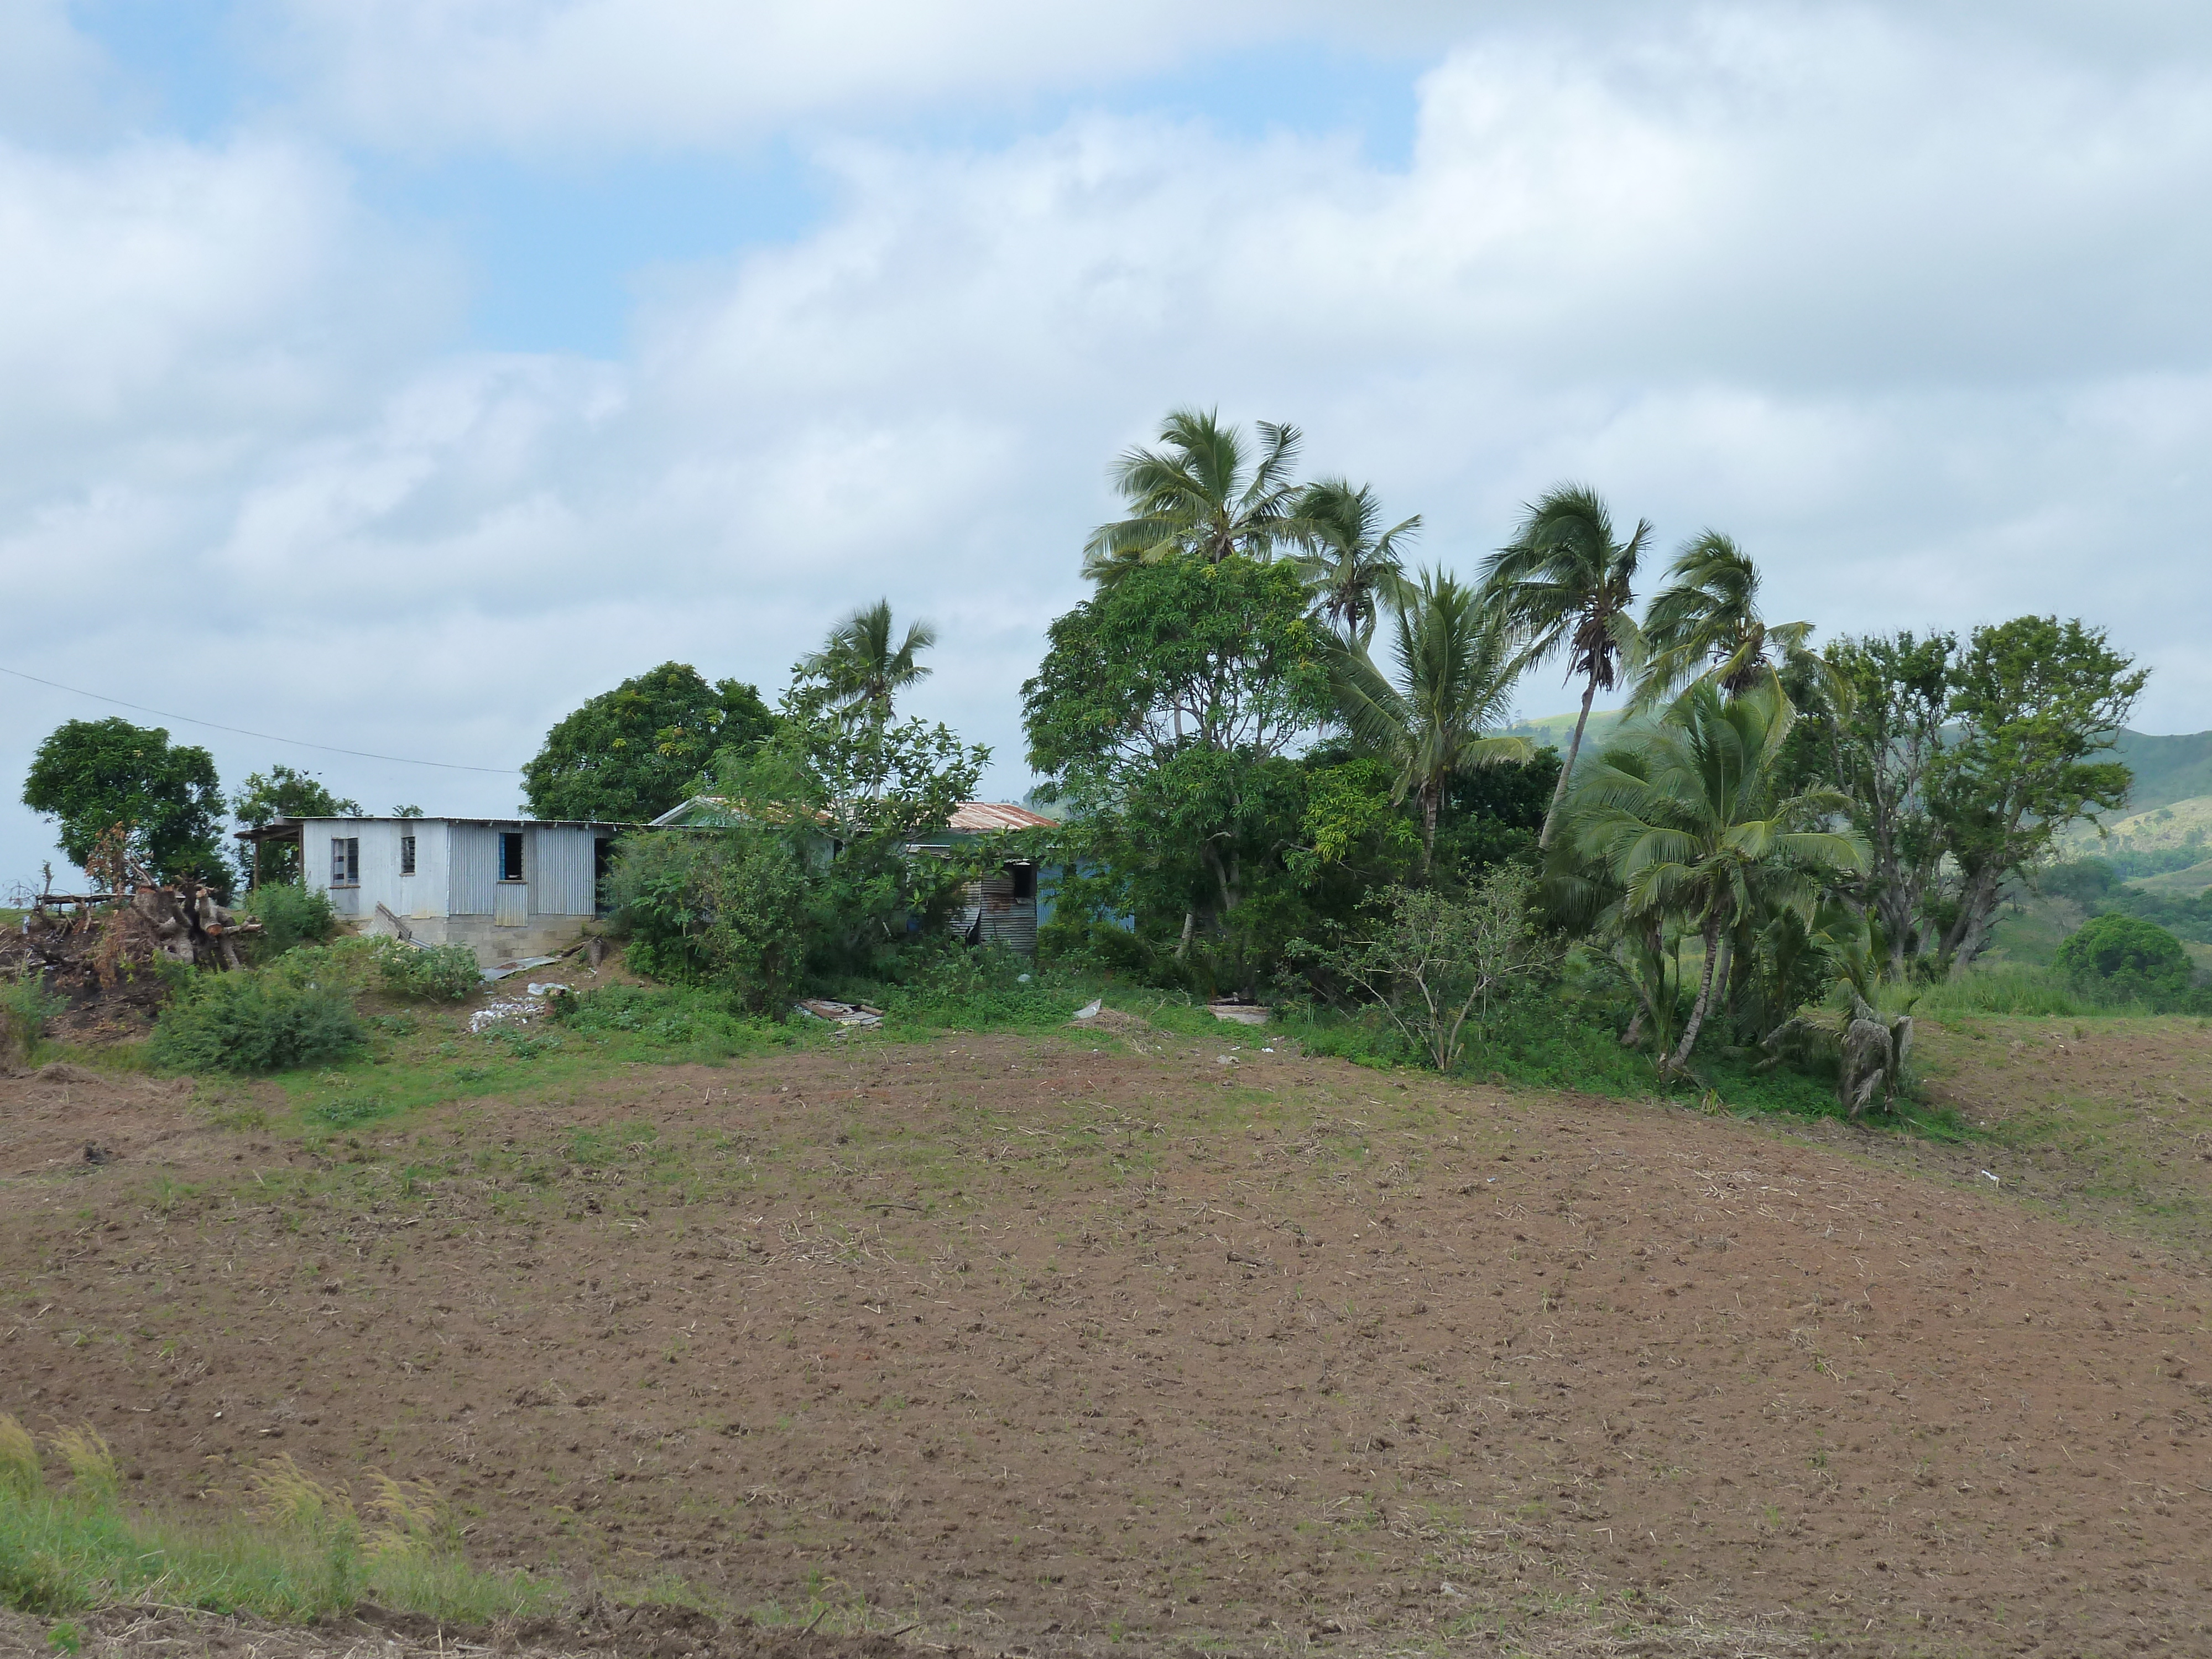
(1045, 1343)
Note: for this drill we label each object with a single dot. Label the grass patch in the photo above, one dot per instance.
(301, 1552)
(954, 988)
(1569, 1045)
(2013, 989)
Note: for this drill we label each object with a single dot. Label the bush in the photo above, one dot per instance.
(255, 1022)
(26, 1008)
(436, 973)
(1444, 968)
(726, 908)
(290, 915)
(2124, 956)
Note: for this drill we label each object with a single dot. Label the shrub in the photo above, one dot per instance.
(290, 914)
(1439, 965)
(437, 973)
(26, 1008)
(255, 1022)
(728, 907)
(2124, 956)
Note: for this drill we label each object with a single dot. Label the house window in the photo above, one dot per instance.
(1025, 877)
(407, 855)
(510, 855)
(345, 860)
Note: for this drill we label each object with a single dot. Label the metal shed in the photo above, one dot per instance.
(504, 887)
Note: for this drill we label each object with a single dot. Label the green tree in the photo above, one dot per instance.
(728, 910)
(1566, 584)
(2033, 702)
(1688, 819)
(1453, 675)
(1205, 493)
(863, 666)
(630, 754)
(2127, 957)
(1351, 562)
(1164, 713)
(283, 792)
(91, 776)
(813, 866)
(1705, 623)
(1872, 732)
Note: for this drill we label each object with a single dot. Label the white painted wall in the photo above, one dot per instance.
(456, 868)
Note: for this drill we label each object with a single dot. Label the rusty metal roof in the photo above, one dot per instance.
(980, 818)
(969, 817)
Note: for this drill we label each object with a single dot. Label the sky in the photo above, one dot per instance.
(394, 378)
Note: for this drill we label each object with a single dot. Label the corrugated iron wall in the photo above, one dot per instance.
(1008, 920)
(558, 862)
(473, 870)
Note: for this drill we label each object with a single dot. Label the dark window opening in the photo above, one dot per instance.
(603, 850)
(1025, 877)
(407, 855)
(345, 860)
(510, 855)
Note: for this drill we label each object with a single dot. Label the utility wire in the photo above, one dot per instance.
(266, 737)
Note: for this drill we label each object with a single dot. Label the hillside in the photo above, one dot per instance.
(1560, 728)
(2168, 770)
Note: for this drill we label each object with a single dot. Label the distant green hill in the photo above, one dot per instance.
(1558, 728)
(2166, 769)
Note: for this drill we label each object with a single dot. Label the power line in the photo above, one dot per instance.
(266, 737)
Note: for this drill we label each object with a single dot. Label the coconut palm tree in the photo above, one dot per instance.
(1204, 492)
(1453, 671)
(859, 670)
(1566, 584)
(1705, 624)
(1349, 560)
(1687, 818)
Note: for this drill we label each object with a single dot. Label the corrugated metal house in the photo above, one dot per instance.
(996, 909)
(1001, 908)
(504, 887)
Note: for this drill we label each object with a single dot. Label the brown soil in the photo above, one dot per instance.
(1042, 1348)
(601, 1630)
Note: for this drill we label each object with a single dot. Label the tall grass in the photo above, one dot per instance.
(301, 1549)
(2013, 988)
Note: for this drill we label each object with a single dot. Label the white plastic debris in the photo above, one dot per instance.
(1239, 1013)
(1090, 1009)
(1991, 1179)
(1021, 979)
(518, 1010)
(550, 990)
(848, 1014)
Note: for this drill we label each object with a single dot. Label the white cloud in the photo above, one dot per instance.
(567, 76)
(1912, 312)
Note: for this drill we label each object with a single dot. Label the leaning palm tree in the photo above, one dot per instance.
(1202, 493)
(1689, 820)
(1565, 583)
(859, 670)
(1349, 560)
(1453, 671)
(1705, 624)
